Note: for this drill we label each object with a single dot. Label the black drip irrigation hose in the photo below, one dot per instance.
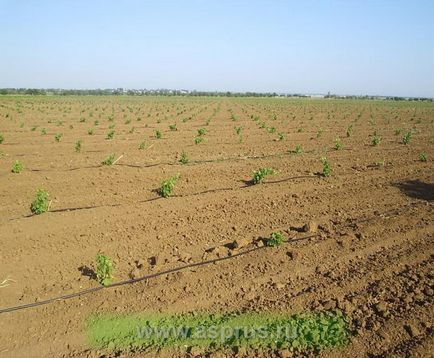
(147, 277)
(175, 163)
(392, 212)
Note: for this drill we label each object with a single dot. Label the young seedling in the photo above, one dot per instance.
(104, 269)
(90, 131)
(407, 137)
(381, 163)
(261, 173)
(17, 167)
(78, 146)
(2, 138)
(110, 134)
(201, 131)
(338, 143)
(58, 137)
(184, 158)
(298, 149)
(43, 131)
(173, 127)
(281, 136)
(319, 133)
(326, 169)
(376, 140)
(41, 204)
(168, 185)
(158, 134)
(109, 160)
(423, 157)
(238, 129)
(349, 130)
(275, 240)
(142, 145)
(398, 131)
(198, 140)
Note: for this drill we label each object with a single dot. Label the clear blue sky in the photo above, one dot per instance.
(346, 47)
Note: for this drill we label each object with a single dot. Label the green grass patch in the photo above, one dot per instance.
(213, 332)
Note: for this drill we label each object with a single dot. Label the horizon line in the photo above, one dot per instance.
(124, 90)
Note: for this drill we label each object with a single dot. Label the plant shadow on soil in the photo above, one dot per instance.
(417, 189)
(88, 272)
(251, 183)
(65, 170)
(66, 210)
(83, 208)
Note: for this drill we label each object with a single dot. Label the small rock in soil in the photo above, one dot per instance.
(382, 309)
(329, 305)
(135, 273)
(311, 226)
(140, 263)
(239, 243)
(260, 243)
(153, 260)
(279, 285)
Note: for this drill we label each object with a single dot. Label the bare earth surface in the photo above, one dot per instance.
(371, 254)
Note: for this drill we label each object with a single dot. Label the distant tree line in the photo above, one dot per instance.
(170, 92)
(136, 92)
(388, 98)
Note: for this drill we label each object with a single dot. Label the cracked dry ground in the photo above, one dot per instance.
(371, 254)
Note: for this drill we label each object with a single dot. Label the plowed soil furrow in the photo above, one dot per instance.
(369, 227)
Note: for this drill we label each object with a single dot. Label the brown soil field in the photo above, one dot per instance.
(368, 249)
